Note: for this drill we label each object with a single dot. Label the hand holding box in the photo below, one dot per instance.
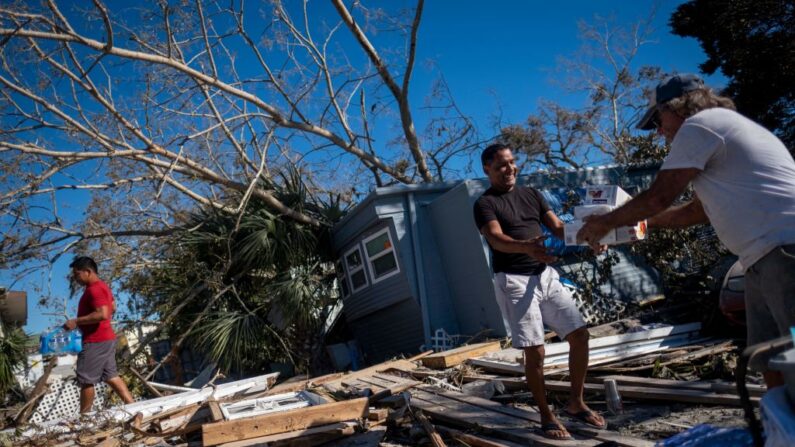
(602, 199)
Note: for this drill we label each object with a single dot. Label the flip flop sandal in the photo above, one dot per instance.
(583, 416)
(547, 429)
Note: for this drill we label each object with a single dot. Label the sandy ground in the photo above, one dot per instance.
(655, 422)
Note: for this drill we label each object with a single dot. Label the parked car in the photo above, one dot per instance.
(732, 295)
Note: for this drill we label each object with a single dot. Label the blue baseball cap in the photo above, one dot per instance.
(668, 89)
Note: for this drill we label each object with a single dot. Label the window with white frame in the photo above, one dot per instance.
(381, 256)
(355, 266)
(342, 279)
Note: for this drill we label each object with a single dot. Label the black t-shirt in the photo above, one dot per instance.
(518, 212)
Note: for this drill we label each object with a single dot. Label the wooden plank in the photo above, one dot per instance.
(446, 359)
(383, 385)
(433, 435)
(475, 441)
(291, 385)
(371, 438)
(176, 421)
(510, 383)
(342, 427)
(404, 365)
(110, 442)
(531, 416)
(38, 392)
(379, 382)
(377, 415)
(716, 387)
(379, 390)
(269, 424)
(652, 393)
(520, 384)
(215, 410)
(145, 382)
(460, 414)
(420, 356)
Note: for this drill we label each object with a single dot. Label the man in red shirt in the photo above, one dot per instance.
(97, 360)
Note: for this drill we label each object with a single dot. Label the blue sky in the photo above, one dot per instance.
(506, 50)
(497, 54)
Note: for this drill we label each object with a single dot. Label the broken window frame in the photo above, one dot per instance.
(342, 279)
(385, 252)
(354, 270)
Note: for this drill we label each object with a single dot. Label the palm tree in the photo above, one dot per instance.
(267, 281)
(14, 346)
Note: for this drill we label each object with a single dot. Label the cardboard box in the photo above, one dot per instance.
(611, 195)
(620, 235)
(570, 230)
(601, 199)
(634, 233)
(581, 211)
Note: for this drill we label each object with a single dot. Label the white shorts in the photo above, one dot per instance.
(528, 303)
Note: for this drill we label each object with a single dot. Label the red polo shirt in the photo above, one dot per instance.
(95, 295)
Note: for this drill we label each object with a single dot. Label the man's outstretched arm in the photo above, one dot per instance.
(681, 216)
(667, 186)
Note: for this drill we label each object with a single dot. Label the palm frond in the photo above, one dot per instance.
(233, 339)
(13, 354)
(301, 294)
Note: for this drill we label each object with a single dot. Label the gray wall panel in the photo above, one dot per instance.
(390, 332)
(386, 292)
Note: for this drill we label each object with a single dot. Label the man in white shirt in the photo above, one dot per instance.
(744, 180)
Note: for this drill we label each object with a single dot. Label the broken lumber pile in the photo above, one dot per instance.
(349, 408)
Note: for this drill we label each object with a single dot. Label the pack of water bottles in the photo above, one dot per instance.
(60, 341)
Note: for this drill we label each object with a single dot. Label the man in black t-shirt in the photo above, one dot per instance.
(528, 292)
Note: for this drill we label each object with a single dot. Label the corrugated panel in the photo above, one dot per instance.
(376, 297)
(631, 279)
(630, 179)
(390, 332)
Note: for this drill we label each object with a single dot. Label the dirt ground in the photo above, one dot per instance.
(655, 422)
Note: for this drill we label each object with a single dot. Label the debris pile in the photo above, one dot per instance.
(472, 395)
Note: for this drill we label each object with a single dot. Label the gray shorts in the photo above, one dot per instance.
(528, 303)
(97, 362)
(770, 299)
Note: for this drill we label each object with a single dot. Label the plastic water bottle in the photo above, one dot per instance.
(58, 341)
(613, 399)
(76, 342)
